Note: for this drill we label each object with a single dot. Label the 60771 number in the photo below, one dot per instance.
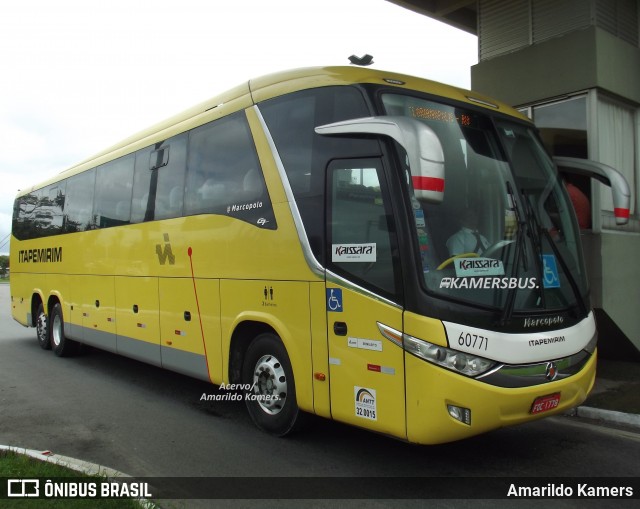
(473, 341)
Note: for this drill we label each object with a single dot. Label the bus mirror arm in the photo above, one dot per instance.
(424, 150)
(605, 174)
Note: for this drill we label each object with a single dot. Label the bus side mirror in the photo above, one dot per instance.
(605, 174)
(426, 158)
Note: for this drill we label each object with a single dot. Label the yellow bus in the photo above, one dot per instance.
(379, 249)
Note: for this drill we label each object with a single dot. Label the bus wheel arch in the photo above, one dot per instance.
(36, 301)
(40, 320)
(242, 336)
(257, 346)
(271, 401)
(61, 345)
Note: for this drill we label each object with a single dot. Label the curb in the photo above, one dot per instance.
(609, 416)
(83, 467)
(77, 465)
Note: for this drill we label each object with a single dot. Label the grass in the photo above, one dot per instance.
(18, 466)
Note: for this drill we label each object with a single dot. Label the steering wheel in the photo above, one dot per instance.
(449, 261)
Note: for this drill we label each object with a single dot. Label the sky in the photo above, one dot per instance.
(80, 75)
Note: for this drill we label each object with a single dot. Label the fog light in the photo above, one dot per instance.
(460, 414)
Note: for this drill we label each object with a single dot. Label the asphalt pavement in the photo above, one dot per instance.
(614, 402)
(615, 398)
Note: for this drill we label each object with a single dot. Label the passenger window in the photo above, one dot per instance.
(78, 206)
(291, 120)
(20, 225)
(25, 225)
(39, 213)
(360, 224)
(224, 175)
(52, 203)
(158, 183)
(113, 202)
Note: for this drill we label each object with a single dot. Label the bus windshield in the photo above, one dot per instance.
(504, 236)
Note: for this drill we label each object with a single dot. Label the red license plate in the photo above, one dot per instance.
(545, 403)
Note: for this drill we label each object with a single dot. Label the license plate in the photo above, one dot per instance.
(545, 403)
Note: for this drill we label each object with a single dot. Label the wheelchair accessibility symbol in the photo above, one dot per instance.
(334, 300)
(550, 272)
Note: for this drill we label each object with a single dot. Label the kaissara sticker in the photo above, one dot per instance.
(478, 267)
(353, 252)
(366, 403)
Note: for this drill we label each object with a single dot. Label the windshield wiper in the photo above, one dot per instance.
(534, 233)
(537, 230)
(572, 281)
(511, 295)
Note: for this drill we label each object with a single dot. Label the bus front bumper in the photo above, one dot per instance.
(431, 390)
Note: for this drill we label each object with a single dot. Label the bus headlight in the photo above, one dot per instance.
(461, 362)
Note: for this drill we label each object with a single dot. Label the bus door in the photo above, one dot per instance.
(366, 370)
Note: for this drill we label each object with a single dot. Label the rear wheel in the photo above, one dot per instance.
(61, 345)
(42, 329)
(272, 400)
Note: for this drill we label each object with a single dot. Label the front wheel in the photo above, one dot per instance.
(42, 328)
(271, 401)
(62, 346)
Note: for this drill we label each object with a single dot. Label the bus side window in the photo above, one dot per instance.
(158, 181)
(291, 120)
(170, 179)
(112, 204)
(79, 202)
(27, 226)
(224, 175)
(360, 236)
(20, 224)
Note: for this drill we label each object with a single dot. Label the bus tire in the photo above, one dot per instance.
(272, 402)
(62, 346)
(42, 328)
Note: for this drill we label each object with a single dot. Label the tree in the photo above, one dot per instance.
(4, 265)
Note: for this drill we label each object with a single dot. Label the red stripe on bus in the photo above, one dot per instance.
(621, 213)
(195, 292)
(428, 184)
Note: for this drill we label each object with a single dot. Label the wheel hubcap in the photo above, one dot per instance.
(269, 384)
(56, 331)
